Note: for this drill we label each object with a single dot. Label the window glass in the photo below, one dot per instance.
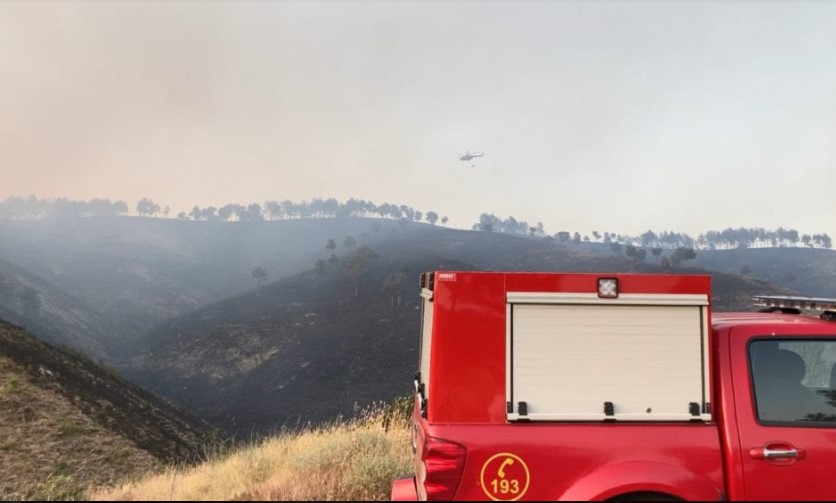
(795, 380)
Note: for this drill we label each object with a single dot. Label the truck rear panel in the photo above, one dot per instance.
(492, 340)
(521, 390)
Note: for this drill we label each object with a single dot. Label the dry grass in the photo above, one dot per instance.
(355, 460)
(49, 449)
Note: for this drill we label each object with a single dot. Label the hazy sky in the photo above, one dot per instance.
(616, 116)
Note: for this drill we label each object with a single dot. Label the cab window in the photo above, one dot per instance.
(794, 381)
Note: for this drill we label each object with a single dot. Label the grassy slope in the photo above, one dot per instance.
(66, 423)
(50, 449)
(356, 461)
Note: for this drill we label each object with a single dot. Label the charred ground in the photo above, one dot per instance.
(305, 348)
(175, 305)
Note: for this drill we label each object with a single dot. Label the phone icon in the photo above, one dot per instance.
(501, 471)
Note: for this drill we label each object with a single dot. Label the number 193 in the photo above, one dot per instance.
(504, 486)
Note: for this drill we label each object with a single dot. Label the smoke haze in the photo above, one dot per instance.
(627, 116)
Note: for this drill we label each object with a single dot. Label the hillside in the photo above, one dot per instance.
(305, 348)
(812, 272)
(133, 273)
(51, 314)
(140, 271)
(181, 313)
(67, 423)
(809, 271)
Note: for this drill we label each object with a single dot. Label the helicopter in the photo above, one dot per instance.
(469, 157)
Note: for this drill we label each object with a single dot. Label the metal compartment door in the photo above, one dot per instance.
(567, 361)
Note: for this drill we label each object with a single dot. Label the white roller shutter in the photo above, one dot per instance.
(566, 360)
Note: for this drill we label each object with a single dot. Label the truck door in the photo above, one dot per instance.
(785, 398)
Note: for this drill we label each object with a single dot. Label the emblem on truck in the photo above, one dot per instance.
(505, 477)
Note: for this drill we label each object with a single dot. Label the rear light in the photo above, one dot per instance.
(443, 466)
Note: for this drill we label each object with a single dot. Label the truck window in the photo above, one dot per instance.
(794, 381)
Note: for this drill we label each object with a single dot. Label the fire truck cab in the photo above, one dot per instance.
(553, 386)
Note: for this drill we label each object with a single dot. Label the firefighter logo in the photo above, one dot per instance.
(505, 477)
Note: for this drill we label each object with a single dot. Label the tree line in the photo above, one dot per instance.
(727, 239)
(317, 208)
(491, 223)
(33, 208)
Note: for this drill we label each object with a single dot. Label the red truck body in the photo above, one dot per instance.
(488, 337)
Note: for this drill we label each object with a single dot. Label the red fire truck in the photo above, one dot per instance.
(550, 386)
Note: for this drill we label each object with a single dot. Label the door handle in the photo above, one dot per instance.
(784, 451)
(780, 453)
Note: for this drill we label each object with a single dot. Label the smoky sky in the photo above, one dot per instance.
(617, 116)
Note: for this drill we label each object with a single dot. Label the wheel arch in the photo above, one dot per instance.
(613, 481)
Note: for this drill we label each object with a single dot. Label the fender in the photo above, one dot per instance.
(403, 489)
(642, 476)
